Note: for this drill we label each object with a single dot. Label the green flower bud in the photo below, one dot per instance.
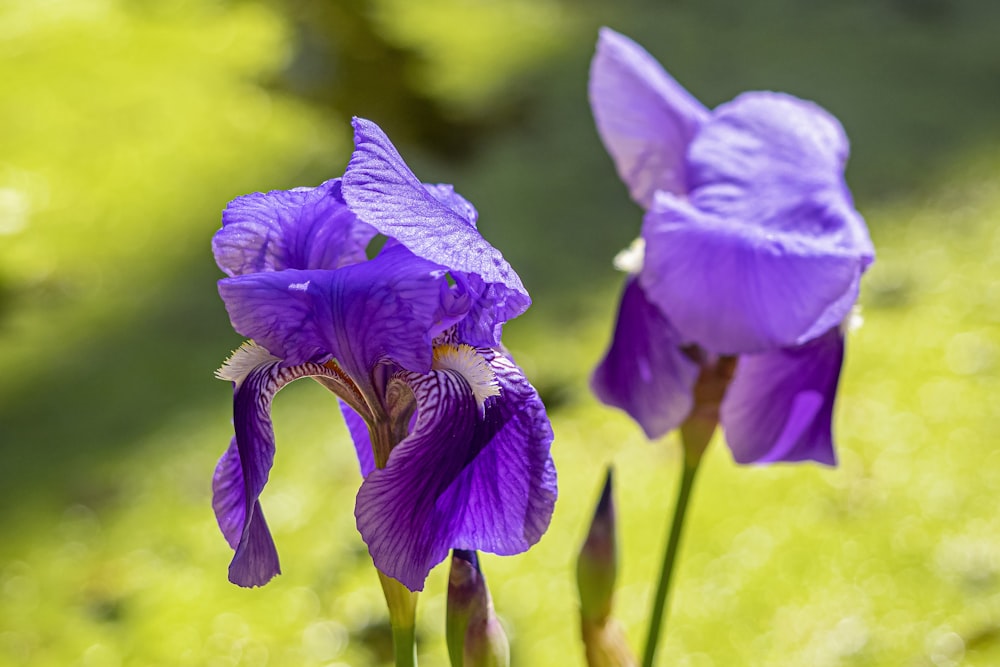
(474, 634)
(597, 564)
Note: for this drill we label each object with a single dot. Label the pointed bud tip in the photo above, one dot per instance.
(597, 564)
(606, 503)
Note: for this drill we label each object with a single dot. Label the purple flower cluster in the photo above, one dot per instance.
(453, 442)
(750, 248)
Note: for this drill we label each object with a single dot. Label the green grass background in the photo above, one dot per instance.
(126, 126)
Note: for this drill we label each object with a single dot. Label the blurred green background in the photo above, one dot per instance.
(127, 125)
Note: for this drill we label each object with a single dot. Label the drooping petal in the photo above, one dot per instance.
(229, 495)
(461, 480)
(645, 118)
(396, 507)
(358, 429)
(779, 406)
(385, 308)
(243, 471)
(737, 288)
(433, 224)
(510, 488)
(304, 228)
(644, 372)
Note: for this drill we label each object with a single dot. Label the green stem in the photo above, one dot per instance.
(656, 618)
(404, 646)
(402, 605)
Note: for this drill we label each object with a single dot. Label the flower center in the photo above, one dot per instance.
(464, 360)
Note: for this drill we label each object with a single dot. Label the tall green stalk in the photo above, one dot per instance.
(404, 646)
(402, 605)
(656, 618)
(696, 433)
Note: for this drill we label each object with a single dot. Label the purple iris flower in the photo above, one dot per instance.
(452, 440)
(750, 249)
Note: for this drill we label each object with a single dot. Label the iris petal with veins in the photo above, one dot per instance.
(452, 440)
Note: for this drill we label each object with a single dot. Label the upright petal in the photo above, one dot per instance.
(737, 288)
(432, 223)
(304, 228)
(460, 480)
(644, 372)
(385, 308)
(779, 406)
(775, 162)
(645, 118)
(243, 471)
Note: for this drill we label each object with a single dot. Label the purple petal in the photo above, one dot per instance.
(228, 495)
(445, 193)
(460, 480)
(243, 470)
(644, 372)
(512, 482)
(360, 436)
(386, 308)
(488, 307)
(775, 162)
(779, 406)
(737, 288)
(435, 225)
(645, 118)
(304, 228)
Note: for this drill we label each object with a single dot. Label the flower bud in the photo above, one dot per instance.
(596, 570)
(597, 564)
(474, 634)
(605, 644)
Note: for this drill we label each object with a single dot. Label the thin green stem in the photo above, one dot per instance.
(656, 619)
(402, 605)
(404, 646)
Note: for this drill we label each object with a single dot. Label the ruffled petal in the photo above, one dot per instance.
(445, 193)
(460, 479)
(776, 163)
(736, 288)
(488, 306)
(645, 118)
(243, 470)
(779, 406)
(304, 228)
(386, 308)
(644, 372)
(432, 223)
